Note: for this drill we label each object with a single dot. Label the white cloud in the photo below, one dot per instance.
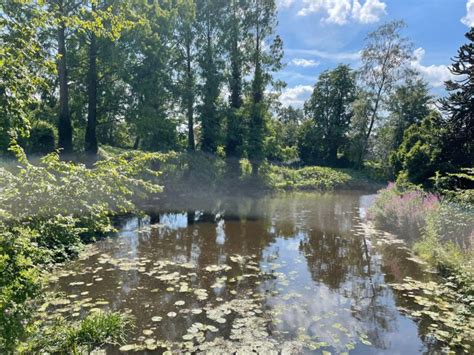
(435, 75)
(305, 63)
(468, 20)
(340, 12)
(370, 12)
(296, 96)
(285, 3)
(337, 56)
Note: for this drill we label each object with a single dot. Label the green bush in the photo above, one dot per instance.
(47, 211)
(42, 139)
(307, 178)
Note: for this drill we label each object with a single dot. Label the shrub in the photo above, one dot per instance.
(42, 139)
(20, 281)
(47, 211)
(403, 211)
(308, 178)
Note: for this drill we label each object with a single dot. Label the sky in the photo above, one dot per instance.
(320, 34)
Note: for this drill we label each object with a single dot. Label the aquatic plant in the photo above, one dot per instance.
(443, 311)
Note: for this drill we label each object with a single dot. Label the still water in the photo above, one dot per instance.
(290, 273)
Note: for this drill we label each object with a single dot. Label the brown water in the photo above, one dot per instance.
(296, 273)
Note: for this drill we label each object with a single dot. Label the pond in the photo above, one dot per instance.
(294, 272)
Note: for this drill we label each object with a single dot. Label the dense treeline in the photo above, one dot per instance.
(192, 74)
(141, 74)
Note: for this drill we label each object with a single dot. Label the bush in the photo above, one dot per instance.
(308, 178)
(402, 211)
(47, 211)
(42, 139)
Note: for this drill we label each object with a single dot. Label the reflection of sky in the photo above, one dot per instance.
(317, 291)
(315, 308)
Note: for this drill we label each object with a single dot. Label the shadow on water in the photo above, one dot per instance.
(319, 274)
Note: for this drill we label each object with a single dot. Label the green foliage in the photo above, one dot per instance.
(23, 66)
(444, 229)
(42, 139)
(330, 111)
(94, 331)
(47, 211)
(308, 178)
(420, 154)
(458, 106)
(20, 281)
(403, 210)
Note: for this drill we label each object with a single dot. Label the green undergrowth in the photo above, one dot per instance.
(79, 337)
(185, 172)
(315, 178)
(48, 211)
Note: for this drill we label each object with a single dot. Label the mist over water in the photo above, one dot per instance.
(304, 265)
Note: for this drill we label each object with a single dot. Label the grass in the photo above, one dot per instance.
(94, 331)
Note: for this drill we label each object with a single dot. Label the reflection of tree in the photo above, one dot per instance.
(344, 262)
(328, 257)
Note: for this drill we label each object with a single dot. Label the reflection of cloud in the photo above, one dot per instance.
(296, 96)
(435, 75)
(468, 20)
(340, 12)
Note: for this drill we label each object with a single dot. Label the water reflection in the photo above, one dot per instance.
(320, 277)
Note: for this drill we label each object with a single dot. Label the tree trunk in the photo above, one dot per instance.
(189, 99)
(64, 122)
(136, 145)
(90, 143)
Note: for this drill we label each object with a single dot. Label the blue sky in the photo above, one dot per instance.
(320, 34)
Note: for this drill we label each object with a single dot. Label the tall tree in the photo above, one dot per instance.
(265, 60)
(408, 104)
(150, 76)
(209, 25)
(330, 108)
(459, 107)
(104, 21)
(185, 39)
(384, 60)
(64, 12)
(235, 42)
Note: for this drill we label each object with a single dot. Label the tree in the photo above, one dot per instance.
(150, 77)
(384, 60)
(262, 17)
(24, 64)
(408, 105)
(459, 107)
(419, 156)
(101, 22)
(209, 25)
(64, 12)
(236, 39)
(185, 39)
(330, 108)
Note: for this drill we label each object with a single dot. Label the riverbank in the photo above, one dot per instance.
(439, 228)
